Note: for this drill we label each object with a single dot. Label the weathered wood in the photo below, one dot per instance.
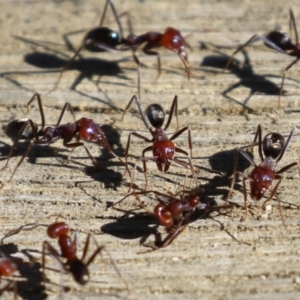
(205, 261)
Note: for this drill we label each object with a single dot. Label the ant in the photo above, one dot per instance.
(82, 129)
(280, 42)
(271, 150)
(162, 147)
(7, 268)
(67, 256)
(103, 38)
(172, 212)
(74, 265)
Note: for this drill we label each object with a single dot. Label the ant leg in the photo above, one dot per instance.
(283, 77)
(78, 144)
(128, 143)
(18, 230)
(150, 52)
(67, 66)
(54, 253)
(172, 111)
(285, 147)
(234, 174)
(39, 100)
(271, 196)
(245, 199)
(294, 25)
(117, 18)
(97, 251)
(65, 107)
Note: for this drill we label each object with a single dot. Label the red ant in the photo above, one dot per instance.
(103, 38)
(271, 150)
(7, 268)
(173, 213)
(280, 42)
(162, 147)
(82, 129)
(67, 256)
(74, 265)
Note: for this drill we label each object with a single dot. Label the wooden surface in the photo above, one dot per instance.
(205, 262)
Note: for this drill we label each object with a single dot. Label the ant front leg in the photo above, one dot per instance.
(151, 52)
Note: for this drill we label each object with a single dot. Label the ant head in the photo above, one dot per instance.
(13, 128)
(273, 144)
(79, 271)
(156, 115)
(101, 36)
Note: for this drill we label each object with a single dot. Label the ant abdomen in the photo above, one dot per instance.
(273, 143)
(101, 35)
(280, 39)
(13, 129)
(156, 115)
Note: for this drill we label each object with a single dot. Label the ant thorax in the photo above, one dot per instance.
(268, 164)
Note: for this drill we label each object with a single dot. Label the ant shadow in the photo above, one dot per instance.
(222, 165)
(256, 83)
(110, 178)
(32, 288)
(53, 61)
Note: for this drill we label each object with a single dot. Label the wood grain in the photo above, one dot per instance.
(205, 261)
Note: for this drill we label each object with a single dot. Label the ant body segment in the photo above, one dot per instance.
(82, 129)
(103, 38)
(7, 268)
(280, 42)
(162, 147)
(271, 150)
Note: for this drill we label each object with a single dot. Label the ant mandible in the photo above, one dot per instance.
(82, 129)
(280, 42)
(162, 147)
(271, 150)
(103, 38)
(7, 268)
(172, 212)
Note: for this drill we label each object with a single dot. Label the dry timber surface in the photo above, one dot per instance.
(216, 258)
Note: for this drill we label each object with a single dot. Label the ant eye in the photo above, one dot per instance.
(273, 144)
(156, 115)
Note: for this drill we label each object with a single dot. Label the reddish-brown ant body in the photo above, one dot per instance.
(172, 212)
(103, 38)
(271, 150)
(162, 147)
(7, 269)
(74, 265)
(279, 41)
(82, 129)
